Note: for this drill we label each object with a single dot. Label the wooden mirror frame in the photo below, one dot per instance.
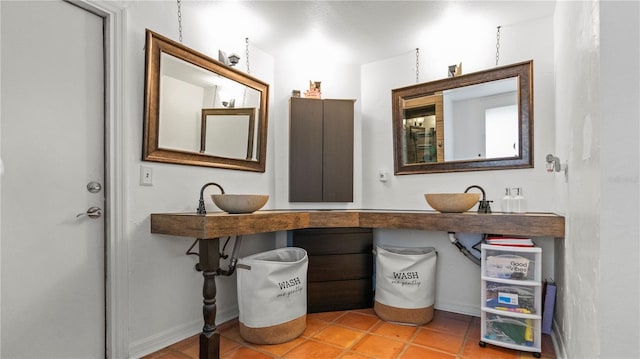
(523, 71)
(156, 45)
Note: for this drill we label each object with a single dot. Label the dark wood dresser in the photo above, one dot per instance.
(340, 272)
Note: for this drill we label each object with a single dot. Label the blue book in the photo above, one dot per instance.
(549, 305)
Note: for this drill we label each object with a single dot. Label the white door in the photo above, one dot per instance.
(52, 145)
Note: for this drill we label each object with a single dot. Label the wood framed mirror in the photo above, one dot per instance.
(473, 122)
(185, 89)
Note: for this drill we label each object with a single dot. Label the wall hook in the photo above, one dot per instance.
(554, 165)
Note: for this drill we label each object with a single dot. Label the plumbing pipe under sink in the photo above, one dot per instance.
(232, 262)
(234, 259)
(463, 249)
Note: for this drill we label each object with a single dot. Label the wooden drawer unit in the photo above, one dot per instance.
(325, 241)
(339, 295)
(340, 267)
(340, 272)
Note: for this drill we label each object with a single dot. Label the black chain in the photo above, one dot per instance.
(180, 19)
(498, 45)
(246, 42)
(417, 65)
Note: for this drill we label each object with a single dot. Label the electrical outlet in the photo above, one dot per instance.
(146, 176)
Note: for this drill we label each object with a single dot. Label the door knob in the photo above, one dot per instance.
(94, 187)
(92, 212)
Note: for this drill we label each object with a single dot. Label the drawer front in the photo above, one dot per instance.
(340, 267)
(510, 297)
(339, 295)
(509, 330)
(334, 240)
(510, 264)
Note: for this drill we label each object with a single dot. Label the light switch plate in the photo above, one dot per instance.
(382, 175)
(146, 176)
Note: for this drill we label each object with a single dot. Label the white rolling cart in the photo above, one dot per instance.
(511, 308)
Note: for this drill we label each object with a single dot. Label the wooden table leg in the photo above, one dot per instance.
(209, 263)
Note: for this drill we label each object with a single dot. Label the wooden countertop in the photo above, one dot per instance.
(221, 224)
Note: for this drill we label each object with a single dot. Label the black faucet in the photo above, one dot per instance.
(201, 209)
(483, 206)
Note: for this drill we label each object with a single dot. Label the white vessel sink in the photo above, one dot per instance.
(452, 202)
(239, 203)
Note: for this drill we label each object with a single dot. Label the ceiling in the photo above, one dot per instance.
(361, 31)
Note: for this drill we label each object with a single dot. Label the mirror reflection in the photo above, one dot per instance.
(422, 129)
(217, 123)
(201, 112)
(467, 123)
(471, 122)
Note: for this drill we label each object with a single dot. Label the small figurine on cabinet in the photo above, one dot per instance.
(314, 90)
(455, 70)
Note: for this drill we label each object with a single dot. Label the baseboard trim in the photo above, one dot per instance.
(152, 344)
(171, 336)
(558, 342)
(472, 310)
(227, 314)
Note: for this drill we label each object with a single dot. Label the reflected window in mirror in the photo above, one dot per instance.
(501, 132)
(478, 121)
(200, 112)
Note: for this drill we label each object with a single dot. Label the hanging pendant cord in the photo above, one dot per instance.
(498, 45)
(180, 20)
(417, 65)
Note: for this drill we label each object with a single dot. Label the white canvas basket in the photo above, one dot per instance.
(405, 284)
(272, 295)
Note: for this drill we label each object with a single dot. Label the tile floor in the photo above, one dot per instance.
(359, 334)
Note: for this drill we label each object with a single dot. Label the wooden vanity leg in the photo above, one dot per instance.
(209, 263)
